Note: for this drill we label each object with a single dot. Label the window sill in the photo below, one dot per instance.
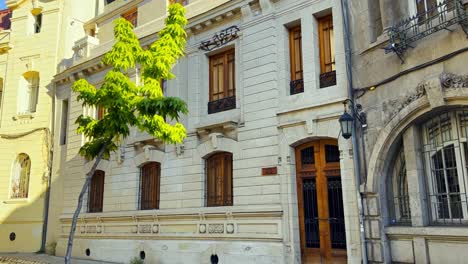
(23, 116)
(16, 201)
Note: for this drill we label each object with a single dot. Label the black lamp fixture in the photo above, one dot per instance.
(347, 120)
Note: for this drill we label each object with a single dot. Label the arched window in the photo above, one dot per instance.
(28, 92)
(446, 153)
(20, 177)
(397, 191)
(96, 192)
(219, 179)
(149, 186)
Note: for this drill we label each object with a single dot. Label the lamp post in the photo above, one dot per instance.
(347, 120)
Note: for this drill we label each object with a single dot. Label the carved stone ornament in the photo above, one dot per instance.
(223, 37)
(450, 80)
(202, 229)
(392, 107)
(230, 228)
(216, 228)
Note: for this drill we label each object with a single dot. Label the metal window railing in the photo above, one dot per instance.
(447, 13)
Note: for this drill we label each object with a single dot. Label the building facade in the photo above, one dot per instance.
(410, 76)
(263, 175)
(30, 49)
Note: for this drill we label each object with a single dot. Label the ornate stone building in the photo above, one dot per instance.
(30, 49)
(263, 176)
(410, 76)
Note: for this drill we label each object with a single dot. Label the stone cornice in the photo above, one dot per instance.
(185, 213)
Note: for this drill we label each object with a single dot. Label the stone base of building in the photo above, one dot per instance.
(175, 251)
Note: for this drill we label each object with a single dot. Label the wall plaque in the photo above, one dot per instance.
(269, 171)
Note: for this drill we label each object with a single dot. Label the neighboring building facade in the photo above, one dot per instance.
(30, 49)
(263, 176)
(415, 144)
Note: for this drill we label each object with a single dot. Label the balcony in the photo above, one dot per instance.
(296, 86)
(445, 14)
(220, 105)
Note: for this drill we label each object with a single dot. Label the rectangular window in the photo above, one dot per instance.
(149, 186)
(64, 124)
(426, 9)
(132, 17)
(222, 82)
(182, 2)
(327, 52)
(100, 112)
(295, 54)
(96, 192)
(108, 1)
(37, 23)
(219, 180)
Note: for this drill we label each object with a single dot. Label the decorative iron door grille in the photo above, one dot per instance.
(311, 220)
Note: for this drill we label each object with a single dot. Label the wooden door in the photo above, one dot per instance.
(320, 202)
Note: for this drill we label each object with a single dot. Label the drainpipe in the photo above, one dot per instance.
(356, 156)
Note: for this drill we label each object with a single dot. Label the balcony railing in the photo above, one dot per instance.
(327, 79)
(436, 18)
(296, 86)
(220, 105)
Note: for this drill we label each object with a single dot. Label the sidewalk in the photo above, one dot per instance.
(21, 258)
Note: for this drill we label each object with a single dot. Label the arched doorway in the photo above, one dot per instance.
(320, 202)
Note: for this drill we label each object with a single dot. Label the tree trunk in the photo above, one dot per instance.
(89, 176)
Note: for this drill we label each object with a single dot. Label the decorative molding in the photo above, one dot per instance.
(216, 228)
(391, 108)
(450, 80)
(220, 39)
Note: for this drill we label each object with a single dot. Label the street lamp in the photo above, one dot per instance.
(347, 120)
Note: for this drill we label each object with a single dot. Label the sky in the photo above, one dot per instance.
(2, 4)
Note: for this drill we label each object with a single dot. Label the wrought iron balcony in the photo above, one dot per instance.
(296, 86)
(220, 105)
(436, 18)
(327, 79)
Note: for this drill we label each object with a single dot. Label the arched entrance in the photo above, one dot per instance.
(320, 202)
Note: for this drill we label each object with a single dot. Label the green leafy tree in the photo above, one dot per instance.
(128, 104)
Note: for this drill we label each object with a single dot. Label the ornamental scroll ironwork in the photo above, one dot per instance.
(221, 38)
(441, 16)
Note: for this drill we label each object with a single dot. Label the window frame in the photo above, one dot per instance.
(131, 16)
(64, 122)
(17, 173)
(37, 23)
(449, 136)
(327, 49)
(96, 208)
(226, 100)
(216, 162)
(296, 84)
(157, 184)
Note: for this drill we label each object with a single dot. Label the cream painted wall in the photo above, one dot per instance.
(39, 52)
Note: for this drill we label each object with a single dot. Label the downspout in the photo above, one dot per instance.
(51, 138)
(357, 167)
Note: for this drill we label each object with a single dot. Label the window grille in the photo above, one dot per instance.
(399, 207)
(445, 151)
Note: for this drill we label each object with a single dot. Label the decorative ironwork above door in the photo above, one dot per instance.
(221, 38)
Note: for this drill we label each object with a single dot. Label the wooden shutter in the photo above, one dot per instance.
(149, 186)
(222, 75)
(96, 192)
(219, 180)
(295, 53)
(100, 112)
(182, 2)
(132, 16)
(326, 41)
